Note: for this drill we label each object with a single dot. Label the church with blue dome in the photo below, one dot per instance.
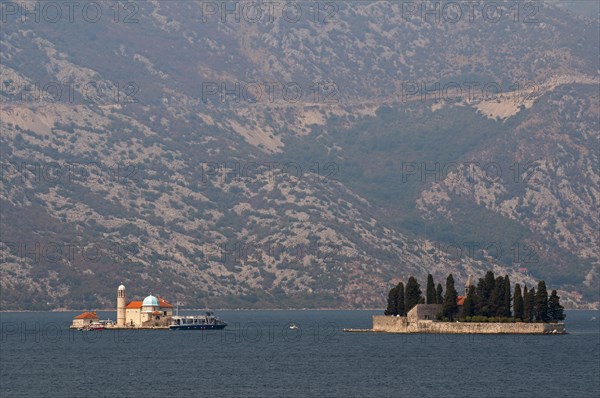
(152, 311)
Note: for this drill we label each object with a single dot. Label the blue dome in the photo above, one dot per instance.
(150, 301)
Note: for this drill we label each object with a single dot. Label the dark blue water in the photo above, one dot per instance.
(258, 355)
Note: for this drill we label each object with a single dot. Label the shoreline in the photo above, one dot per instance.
(243, 309)
(410, 325)
(213, 309)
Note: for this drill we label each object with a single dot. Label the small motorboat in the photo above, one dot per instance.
(96, 326)
(293, 326)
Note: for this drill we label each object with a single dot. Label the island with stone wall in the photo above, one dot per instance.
(490, 307)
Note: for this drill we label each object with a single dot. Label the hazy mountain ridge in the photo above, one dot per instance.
(174, 214)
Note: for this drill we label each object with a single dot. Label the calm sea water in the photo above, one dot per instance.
(258, 355)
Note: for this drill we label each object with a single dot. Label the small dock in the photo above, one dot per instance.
(358, 330)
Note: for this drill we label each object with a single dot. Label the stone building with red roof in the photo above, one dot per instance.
(152, 311)
(85, 319)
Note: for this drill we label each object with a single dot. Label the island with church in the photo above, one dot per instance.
(489, 307)
(150, 313)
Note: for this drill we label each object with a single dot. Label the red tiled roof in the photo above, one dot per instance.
(156, 313)
(134, 304)
(460, 300)
(164, 303)
(87, 315)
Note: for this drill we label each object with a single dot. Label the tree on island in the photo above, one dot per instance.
(492, 298)
(431, 294)
(518, 302)
(490, 282)
(439, 294)
(400, 297)
(481, 301)
(412, 294)
(450, 308)
(469, 304)
(496, 301)
(392, 302)
(529, 313)
(485, 287)
(507, 297)
(556, 311)
(541, 302)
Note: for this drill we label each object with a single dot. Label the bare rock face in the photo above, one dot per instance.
(307, 185)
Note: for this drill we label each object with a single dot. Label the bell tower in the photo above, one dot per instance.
(469, 283)
(121, 306)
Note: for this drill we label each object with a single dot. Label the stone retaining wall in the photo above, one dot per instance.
(398, 324)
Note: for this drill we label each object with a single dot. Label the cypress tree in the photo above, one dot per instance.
(490, 282)
(450, 308)
(400, 298)
(518, 305)
(556, 311)
(438, 294)
(529, 312)
(507, 296)
(469, 305)
(392, 302)
(412, 294)
(496, 301)
(541, 302)
(488, 305)
(431, 296)
(481, 300)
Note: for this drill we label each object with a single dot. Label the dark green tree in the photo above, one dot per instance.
(481, 300)
(400, 297)
(392, 302)
(529, 311)
(469, 304)
(439, 294)
(430, 291)
(486, 305)
(556, 311)
(541, 302)
(496, 301)
(518, 305)
(412, 293)
(490, 282)
(507, 296)
(450, 308)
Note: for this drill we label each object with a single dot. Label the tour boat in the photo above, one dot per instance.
(196, 322)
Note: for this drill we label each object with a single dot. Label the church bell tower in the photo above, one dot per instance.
(469, 283)
(121, 306)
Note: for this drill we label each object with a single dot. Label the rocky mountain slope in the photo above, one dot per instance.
(298, 160)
